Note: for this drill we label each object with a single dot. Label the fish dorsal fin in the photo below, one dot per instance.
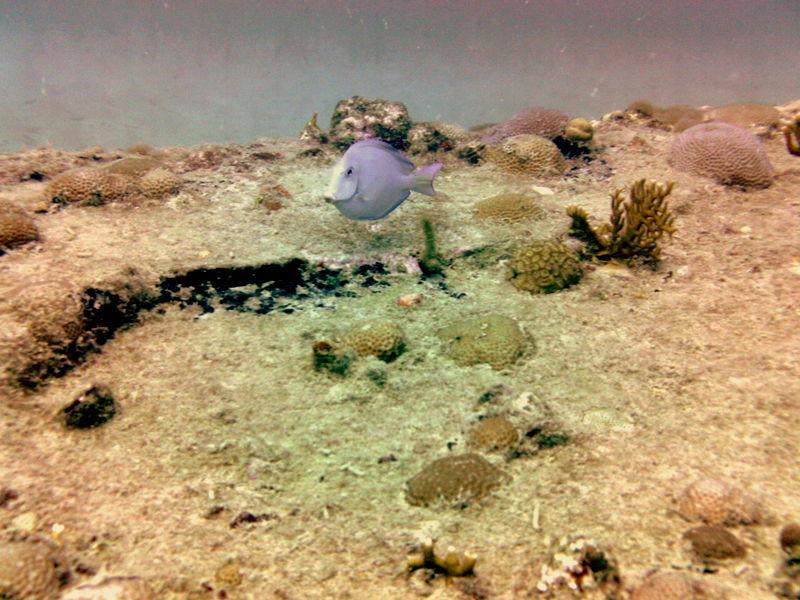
(390, 150)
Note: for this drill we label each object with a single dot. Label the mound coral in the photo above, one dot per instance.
(667, 586)
(544, 266)
(528, 154)
(383, 339)
(726, 153)
(16, 228)
(544, 122)
(492, 339)
(494, 433)
(160, 183)
(748, 114)
(716, 502)
(27, 570)
(360, 118)
(714, 542)
(454, 481)
(637, 224)
(509, 208)
(89, 186)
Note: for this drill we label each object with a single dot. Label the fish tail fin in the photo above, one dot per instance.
(422, 179)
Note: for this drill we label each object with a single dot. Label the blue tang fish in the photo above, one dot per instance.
(373, 178)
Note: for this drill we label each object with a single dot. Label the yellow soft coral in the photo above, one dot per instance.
(636, 227)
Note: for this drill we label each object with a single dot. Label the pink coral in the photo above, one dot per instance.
(726, 153)
(546, 122)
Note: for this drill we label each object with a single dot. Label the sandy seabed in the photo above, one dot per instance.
(658, 377)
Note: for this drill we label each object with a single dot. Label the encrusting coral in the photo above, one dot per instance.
(637, 224)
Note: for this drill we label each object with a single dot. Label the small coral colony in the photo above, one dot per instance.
(721, 143)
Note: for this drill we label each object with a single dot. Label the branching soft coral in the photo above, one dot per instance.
(637, 224)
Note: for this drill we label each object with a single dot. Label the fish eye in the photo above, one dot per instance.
(349, 172)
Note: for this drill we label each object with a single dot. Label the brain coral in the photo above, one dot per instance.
(716, 502)
(16, 227)
(545, 122)
(492, 339)
(454, 481)
(508, 208)
(360, 118)
(383, 339)
(89, 186)
(531, 154)
(544, 266)
(494, 433)
(728, 154)
(27, 570)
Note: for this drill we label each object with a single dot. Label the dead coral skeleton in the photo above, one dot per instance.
(450, 563)
(791, 134)
(636, 227)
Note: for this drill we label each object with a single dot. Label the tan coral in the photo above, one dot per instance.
(494, 433)
(160, 183)
(527, 154)
(544, 266)
(454, 481)
(492, 339)
(716, 502)
(509, 208)
(16, 227)
(383, 339)
(726, 153)
(27, 570)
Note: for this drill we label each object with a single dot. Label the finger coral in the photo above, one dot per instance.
(637, 224)
(728, 154)
(16, 228)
